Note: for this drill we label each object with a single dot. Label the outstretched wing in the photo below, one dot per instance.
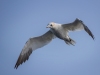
(33, 44)
(77, 25)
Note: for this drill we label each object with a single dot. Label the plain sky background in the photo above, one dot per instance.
(22, 19)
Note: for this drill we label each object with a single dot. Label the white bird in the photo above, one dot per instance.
(59, 30)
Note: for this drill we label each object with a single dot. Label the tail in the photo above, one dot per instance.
(70, 41)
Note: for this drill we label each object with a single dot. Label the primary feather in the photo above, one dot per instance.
(33, 44)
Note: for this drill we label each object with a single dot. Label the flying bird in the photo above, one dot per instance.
(56, 31)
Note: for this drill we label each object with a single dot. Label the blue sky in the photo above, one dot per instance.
(22, 19)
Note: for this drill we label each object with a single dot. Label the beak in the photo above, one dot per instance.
(48, 26)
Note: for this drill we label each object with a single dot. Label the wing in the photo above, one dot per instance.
(77, 25)
(33, 44)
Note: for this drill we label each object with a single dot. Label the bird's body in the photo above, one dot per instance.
(59, 30)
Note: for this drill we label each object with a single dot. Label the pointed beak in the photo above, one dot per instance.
(48, 26)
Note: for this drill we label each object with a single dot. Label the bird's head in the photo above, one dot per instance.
(51, 25)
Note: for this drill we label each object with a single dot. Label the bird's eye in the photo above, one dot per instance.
(51, 25)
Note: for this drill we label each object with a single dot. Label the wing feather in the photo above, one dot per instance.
(33, 44)
(77, 25)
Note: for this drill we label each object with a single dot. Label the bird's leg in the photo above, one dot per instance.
(70, 41)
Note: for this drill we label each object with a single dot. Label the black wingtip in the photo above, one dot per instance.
(23, 58)
(86, 28)
(89, 32)
(15, 67)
